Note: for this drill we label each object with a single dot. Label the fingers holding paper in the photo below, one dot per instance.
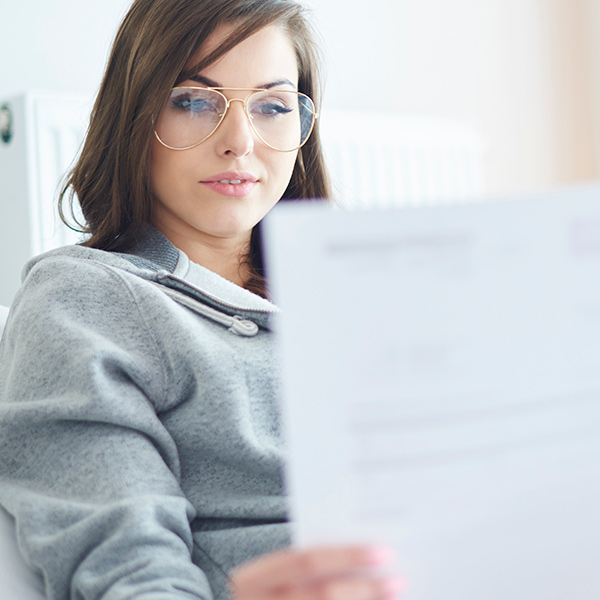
(323, 573)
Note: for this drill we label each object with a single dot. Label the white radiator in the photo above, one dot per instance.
(376, 160)
(386, 159)
(41, 135)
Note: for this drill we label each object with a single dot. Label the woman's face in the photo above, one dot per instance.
(190, 203)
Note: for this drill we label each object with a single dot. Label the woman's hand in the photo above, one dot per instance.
(324, 573)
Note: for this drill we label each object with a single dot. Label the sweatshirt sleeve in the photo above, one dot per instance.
(87, 468)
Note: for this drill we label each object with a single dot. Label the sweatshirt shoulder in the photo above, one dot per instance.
(76, 304)
(79, 285)
(72, 268)
(74, 258)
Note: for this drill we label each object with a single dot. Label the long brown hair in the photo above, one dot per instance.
(111, 178)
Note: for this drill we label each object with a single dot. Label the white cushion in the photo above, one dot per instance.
(3, 316)
(19, 582)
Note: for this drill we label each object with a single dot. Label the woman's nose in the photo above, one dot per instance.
(235, 134)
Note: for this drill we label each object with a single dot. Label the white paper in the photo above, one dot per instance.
(442, 389)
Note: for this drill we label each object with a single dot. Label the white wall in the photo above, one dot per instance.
(56, 44)
(522, 71)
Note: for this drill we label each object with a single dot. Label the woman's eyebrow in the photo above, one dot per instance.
(267, 86)
(204, 81)
(210, 83)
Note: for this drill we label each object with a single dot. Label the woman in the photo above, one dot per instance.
(140, 443)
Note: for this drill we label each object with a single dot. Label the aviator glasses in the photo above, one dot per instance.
(282, 119)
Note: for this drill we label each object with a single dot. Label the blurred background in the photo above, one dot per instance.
(525, 74)
(469, 100)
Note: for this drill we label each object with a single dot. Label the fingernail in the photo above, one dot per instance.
(380, 555)
(393, 586)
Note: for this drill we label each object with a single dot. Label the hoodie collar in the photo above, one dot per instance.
(172, 268)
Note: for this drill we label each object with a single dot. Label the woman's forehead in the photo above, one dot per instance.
(266, 55)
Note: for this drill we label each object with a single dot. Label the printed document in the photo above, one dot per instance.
(442, 389)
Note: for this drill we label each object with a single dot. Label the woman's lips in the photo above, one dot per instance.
(231, 183)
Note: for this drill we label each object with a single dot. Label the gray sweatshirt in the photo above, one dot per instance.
(140, 450)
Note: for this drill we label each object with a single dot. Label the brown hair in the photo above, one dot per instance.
(111, 178)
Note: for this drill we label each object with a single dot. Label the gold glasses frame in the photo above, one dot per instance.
(253, 92)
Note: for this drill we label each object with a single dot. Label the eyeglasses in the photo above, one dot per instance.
(282, 119)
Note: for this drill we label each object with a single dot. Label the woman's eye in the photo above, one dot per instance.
(270, 109)
(194, 105)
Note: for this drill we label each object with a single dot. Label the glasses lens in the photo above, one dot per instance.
(281, 118)
(190, 116)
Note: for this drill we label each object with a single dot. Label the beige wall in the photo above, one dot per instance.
(592, 8)
(521, 71)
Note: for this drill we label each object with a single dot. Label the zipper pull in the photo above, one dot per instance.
(241, 326)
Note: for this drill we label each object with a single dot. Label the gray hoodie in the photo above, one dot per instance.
(140, 450)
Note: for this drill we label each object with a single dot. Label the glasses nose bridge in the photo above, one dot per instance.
(244, 102)
(230, 100)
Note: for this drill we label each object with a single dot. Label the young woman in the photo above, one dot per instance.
(140, 450)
